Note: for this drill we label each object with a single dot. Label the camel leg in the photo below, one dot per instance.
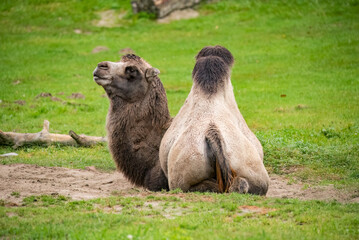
(239, 185)
(208, 185)
(260, 188)
(155, 179)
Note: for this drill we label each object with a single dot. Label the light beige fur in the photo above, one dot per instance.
(182, 150)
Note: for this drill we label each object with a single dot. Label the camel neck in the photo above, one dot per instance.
(135, 131)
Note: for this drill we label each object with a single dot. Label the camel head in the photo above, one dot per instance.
(128, 79)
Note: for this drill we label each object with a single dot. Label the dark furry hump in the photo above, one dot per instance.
(217, 51)
(210, 73)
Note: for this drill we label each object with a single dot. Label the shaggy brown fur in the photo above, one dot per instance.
(137, 121)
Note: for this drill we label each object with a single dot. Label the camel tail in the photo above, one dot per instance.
(215, 152)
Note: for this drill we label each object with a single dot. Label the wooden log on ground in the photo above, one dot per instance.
(44, 137)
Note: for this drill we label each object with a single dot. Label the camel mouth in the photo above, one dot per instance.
(101, 81)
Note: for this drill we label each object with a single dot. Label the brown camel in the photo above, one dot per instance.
(208, 146)
(137, 118)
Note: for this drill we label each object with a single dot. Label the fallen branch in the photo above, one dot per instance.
(46, 138)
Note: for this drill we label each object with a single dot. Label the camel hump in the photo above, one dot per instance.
(215, 153)
(210, 73)
(217, 51)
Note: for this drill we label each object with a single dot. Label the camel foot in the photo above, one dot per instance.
(239, 185)
(209, 185)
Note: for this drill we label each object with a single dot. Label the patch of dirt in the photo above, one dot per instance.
(20, 102)
(77, 96)
(44, 95)
(48, 95)
(301, 107)
(161, 207)
(169, 212)
(79, 31)
(280, 188)
(56, 99)
(109, 18)
(178, 15)
(16, 82)
(100, 49)
(254, 209)
(18, 181)
(78, 184)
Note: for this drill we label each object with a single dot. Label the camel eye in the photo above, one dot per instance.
(132, 73)
(131, 70)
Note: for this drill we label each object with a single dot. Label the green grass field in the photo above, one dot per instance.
(179, 216)
(296, 81)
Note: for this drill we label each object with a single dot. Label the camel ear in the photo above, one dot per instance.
(151, 73)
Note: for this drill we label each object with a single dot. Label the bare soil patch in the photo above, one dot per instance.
(78, 184)
(18, 181)
(281, 188)
(187, 13)
(109, 19)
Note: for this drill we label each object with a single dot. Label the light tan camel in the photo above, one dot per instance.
(208, 146)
